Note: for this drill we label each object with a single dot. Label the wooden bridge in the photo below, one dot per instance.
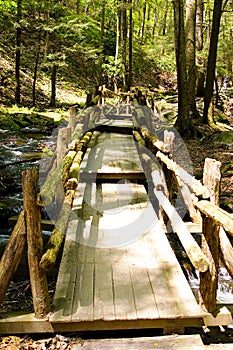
(114, 183)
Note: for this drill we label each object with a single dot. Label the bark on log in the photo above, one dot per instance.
(194, 184)
(209, 279)
(152, 140)
(191, 247)
(48, 190)
(211, 178)
(73, 117)
(189, 199)
(63, 139)
(49, 258)
(219, 215)
(226, 253)
(75, 167)
(12, 255)
(61, 174)
(169, 138)
(38, 277)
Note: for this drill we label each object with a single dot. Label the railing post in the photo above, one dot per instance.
(210, 238)
(73, 117)
(32, 212)
(209, 279)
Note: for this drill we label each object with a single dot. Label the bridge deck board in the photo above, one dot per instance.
(117, 264)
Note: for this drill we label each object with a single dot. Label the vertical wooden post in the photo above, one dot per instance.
(128, 103)
(73, 119)
(169, 138)
(209, 279)
(211, 178)
(61, 144)
(32, 212)
(210, 238)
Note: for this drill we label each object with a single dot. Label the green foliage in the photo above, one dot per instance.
(58, 34)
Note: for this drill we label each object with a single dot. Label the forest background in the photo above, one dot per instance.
(48, 46)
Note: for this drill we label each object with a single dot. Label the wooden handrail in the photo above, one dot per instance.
(220, 216)
(194, 184)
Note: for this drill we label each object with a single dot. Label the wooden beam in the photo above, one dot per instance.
(61, 173)
(219, 215)
(12, 255)
(194, 184)
(112, 177)
(211, 249)
(191, 247)
(46, 225)
(226, 251)
(49, 258)
(152, 140)
(38, 280)
(211, 178)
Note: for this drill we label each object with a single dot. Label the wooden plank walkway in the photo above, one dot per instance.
(118, 270)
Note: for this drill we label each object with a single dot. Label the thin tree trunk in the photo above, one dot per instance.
(183, 122)
(35, 70)
(143, 21)
(101, 45)
(211, 65)
(18, 52)
(154, 21)
(200, 90)
(53, 86)
(118, 39)
(190, 27)
(130, 45)
(124, 45)
(165, 18)
(78, 7)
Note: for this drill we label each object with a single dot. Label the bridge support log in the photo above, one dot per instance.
(61, 174)
(32, 211)
(49, 258)
(12, 255)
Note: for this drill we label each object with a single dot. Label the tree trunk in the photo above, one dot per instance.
(200, 89)
(190, 27)
(154, 21)
(165, 19)
(143, 21)
(118, 39)
(78, 6)
(35, 70)
(53, 86)
(124, 32)
(18, 52)
(101, 45)
(211, 65)
(130, 46)
(183, 122)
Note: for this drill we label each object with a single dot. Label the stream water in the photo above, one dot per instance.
(19, 151)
